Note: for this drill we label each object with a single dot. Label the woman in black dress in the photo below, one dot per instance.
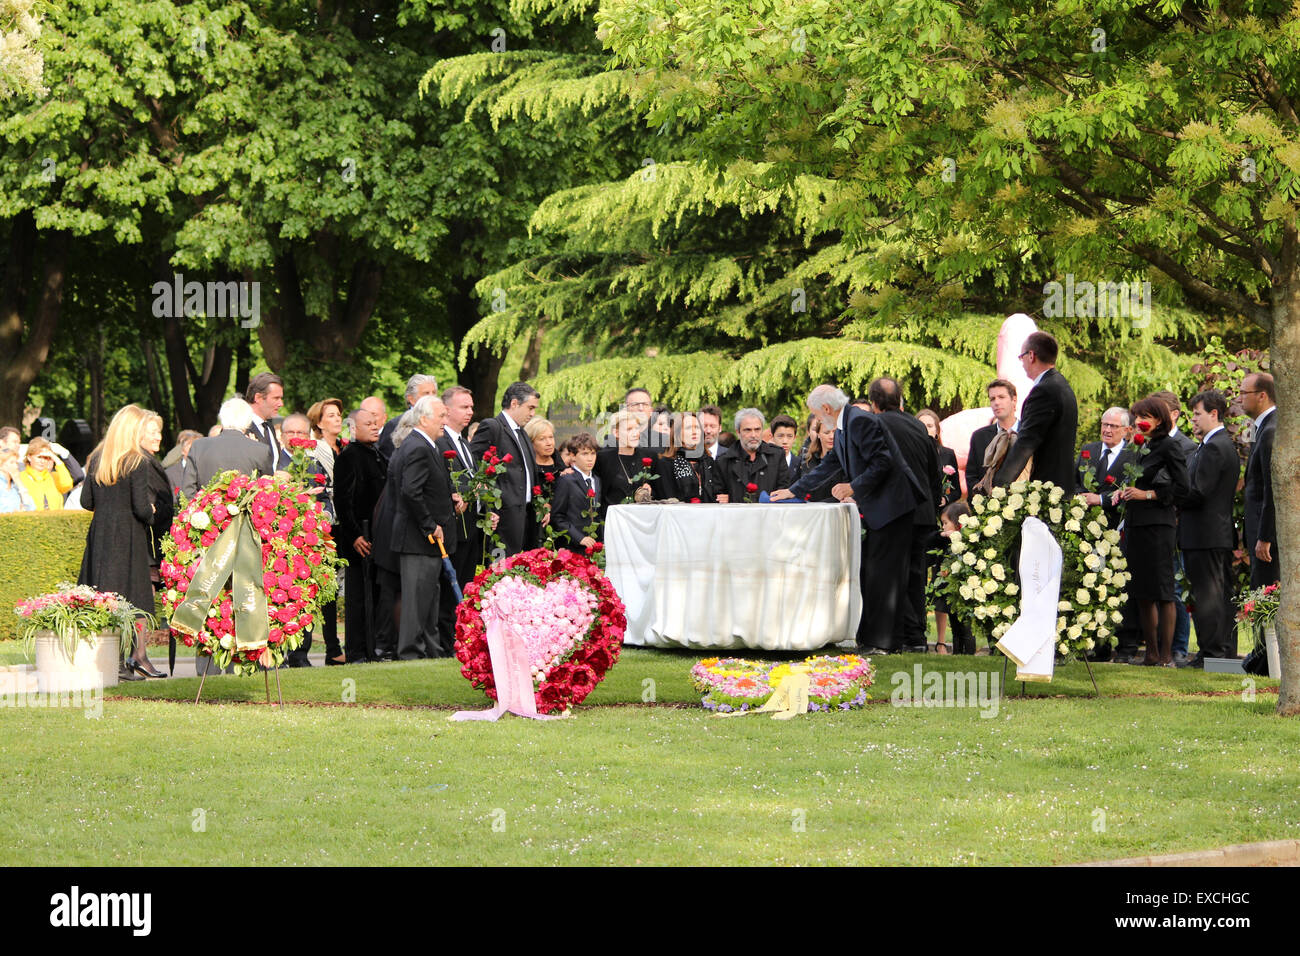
(688, 473)
(128, 492)
(818, 445)
(618, 465)
(948, 479)
(1149, 521)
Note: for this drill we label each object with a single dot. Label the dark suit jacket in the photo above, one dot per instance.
(706, 484)
(614, 474)
(230, 450)
(567, 509)
(359, 475)
(385, 442)
(1164, 471)
(1205, 516)
(979, 444)
(1049, 424)
(948, 459)
(767, 470)
(1116, 471)
(381, 522)
(499, 431)
(866, 456)
(922, 456)
(1261, 523)
(423, 500)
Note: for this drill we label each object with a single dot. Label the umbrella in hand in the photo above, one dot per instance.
(451, 572)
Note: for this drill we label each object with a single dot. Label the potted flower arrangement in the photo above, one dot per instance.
(1258, 611)
(79, 635)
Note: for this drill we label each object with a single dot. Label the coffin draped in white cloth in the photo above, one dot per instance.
(769, 576)
(1031, 640)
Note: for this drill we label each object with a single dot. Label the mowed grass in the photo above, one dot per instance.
(389, 780)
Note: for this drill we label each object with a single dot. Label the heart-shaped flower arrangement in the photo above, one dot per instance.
(735, 684)
(571, 619)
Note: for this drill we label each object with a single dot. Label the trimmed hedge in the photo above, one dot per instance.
(38, 549)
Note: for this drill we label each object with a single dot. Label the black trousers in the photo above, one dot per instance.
(512, 529)
(387, 611)
(885, 568)
(418, 635)
(918, 568)
(1209, 571)
(1129, 632)
(464, 561)
(359, 616)
(330, 613)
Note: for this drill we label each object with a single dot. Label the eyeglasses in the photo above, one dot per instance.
(638, 404)
(1025, 352)
(1252, 391)
(1111, 425)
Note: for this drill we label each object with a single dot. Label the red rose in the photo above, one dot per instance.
(807, 497)
(321, 479)
(1139, 439)
(1110, 479)
(1144, 426)
(695, 501)
(549, 476)
(591, 492)
(491, 469)
(449, 455)
(176, 489)
(509, 458)
(492, 449)
(537, 489)
(647, 462)
(751, 487)
(1086, 455)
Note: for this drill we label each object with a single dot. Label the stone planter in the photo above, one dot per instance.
(1270, 647)
(95, 663)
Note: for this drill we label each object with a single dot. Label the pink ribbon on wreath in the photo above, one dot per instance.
(510, 673)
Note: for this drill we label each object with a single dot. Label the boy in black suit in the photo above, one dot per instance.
(577, 496)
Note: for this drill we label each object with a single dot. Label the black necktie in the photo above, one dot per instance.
(465, 456)
(522, 441)
(1105, 460)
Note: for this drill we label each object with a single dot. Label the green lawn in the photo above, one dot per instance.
(389, 780)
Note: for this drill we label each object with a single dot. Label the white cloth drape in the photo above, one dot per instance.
(1031, 640)
(770, 576)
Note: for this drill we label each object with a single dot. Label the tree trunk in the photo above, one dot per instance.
(482, 368)
(1285, 354)
(22, 358)
(155, 388)
(97, 388)
(532, 356)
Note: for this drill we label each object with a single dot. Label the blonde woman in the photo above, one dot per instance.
(46, 478)
(541, 433)
(128, 492)
(326, 418)
(617, 466)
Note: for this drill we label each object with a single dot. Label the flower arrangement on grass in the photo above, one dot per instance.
(736, 684)
(571, 619)
(77, 612)
(1259, 607)
(297, 566)
(978, 574)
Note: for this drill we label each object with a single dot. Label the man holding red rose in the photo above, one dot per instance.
(752, 465)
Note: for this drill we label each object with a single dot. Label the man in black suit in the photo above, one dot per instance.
(1049, 420)
(505, 432)
(233, 449)
(1206, 533)
(872, 473)
(425, 515)
(1002, 403)
(1182, 620)
(1259, 400)
(469, 552)
(417, 386)
(265, 395)
(922, 456)
(752, 461)
(1106, 458)
(359, 475)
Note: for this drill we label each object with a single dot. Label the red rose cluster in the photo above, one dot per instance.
(299, 561)
(570, 681)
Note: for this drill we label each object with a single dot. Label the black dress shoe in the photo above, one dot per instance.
(144, 669)
(872, 651)
(126, 673)
(331, 662)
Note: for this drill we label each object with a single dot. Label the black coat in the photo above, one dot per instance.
(921, 453)
(948, 459)
(1092, 464)
(423, 499)
(1164, 471)
(359, 475)
(567, 509)
(767, 470)
(117, 554)
(500, 432)
(980, 440)
(1261, 521)
(1205, 516)
(866, 456)
(1049, 425)
(614, 474)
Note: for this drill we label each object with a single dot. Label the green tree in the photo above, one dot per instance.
(21, 64)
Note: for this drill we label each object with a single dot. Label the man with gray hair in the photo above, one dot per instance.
(869, 471)
(417, 386)
(1103, 459)
(425, 517)
(752, 465)
(233, 449)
